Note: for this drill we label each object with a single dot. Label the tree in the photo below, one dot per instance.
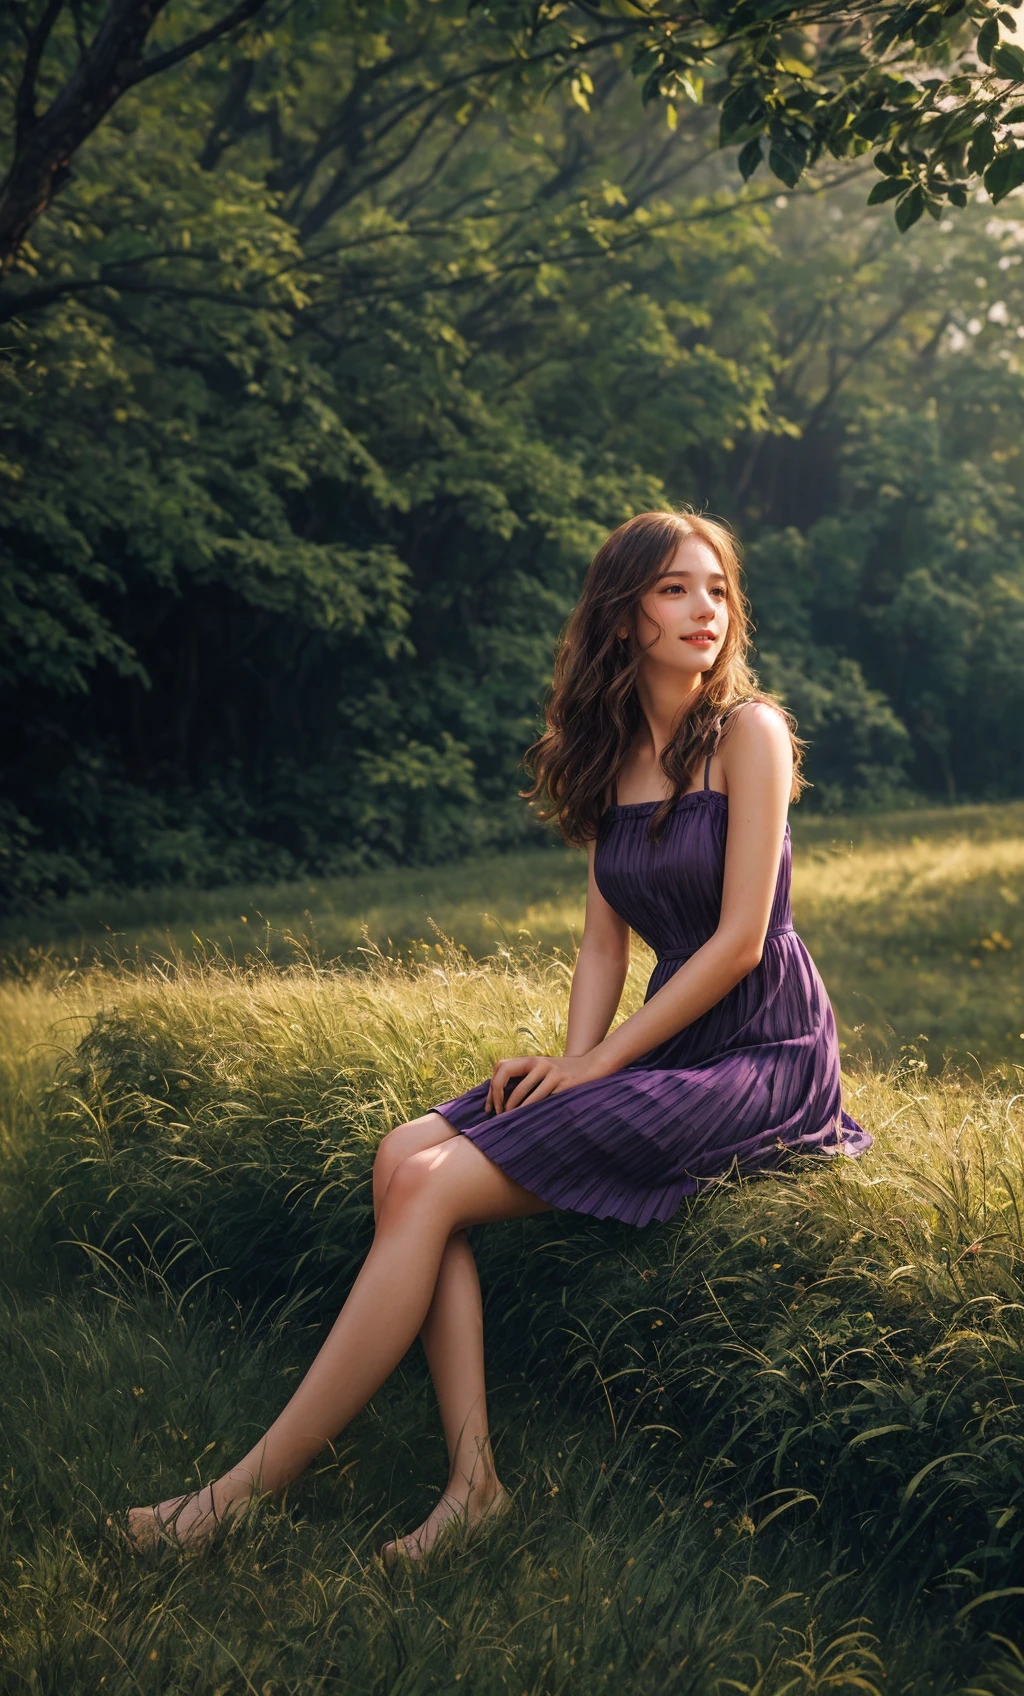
(326, 371)
(933, 87)
(887, 524)
(78, 88)
(292, 522)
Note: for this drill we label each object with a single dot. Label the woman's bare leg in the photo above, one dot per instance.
(453, 1341)
(432, 1194)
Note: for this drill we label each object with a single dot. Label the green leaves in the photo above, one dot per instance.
(887, 189)
(750, 158)
(873, 83)
(743, 107)
(897, 185)
(1005, 173)
(982, 148)
(356, 438)
(330, 489)
(787, 157)
(1008, 60)
(909, 210)
(988, 36)
(873, 125)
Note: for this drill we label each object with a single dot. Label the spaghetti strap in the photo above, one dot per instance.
(718, 738)
(714, 747)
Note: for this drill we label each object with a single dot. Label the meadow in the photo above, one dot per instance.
(775, 1445)
(915, 919)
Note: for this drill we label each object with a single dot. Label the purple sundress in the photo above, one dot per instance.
(752, 1080)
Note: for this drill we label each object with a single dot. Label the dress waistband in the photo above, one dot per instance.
(684, 953)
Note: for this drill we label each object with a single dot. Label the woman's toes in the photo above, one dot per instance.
(142, 1527)
(451, 1514)
(397, 1547)
(189, 1521)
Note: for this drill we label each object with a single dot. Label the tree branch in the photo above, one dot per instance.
(117, 275)
(860, 353)
(25, 117)
(160, 62)
(112, 63)
(227, 121)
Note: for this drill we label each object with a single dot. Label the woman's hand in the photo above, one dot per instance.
(544, 1075)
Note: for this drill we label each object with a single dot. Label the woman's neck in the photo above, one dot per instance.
(665, 699)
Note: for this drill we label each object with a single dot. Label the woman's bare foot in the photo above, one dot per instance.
(191, 1520)
(459, 1508)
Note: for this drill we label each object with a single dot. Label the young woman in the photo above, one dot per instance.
(661, 757)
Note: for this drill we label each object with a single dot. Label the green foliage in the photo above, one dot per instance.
(304, 481)
(899, 569)
(933, 85)
(333, 362)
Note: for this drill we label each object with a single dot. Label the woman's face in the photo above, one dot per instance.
(685, 614)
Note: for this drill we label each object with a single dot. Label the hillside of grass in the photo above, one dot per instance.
(915, 918)
(774, 1445)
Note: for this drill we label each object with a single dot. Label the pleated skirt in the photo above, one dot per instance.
(750, 1083)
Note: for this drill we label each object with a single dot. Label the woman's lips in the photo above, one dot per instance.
(702, 639)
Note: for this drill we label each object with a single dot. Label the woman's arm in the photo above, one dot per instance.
(598, 976)
(600, 971)
(757, 758)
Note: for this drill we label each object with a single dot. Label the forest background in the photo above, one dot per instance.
(335, 358)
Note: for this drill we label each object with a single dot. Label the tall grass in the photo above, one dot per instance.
(773, 1445)
(919, 931)
(915, 918)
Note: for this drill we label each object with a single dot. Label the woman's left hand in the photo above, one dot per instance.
(544, 1075)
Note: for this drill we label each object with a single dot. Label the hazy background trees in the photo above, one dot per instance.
(340, 349)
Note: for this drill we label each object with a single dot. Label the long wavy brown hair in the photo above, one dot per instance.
(593, 714)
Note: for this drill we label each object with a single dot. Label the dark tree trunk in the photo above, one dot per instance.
(45, 143)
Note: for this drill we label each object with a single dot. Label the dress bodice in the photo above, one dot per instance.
(670, 892)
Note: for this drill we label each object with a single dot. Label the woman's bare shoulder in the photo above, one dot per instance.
(756, 725)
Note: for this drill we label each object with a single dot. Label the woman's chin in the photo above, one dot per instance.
(696, 664)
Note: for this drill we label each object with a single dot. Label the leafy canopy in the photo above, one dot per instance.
(934, 87)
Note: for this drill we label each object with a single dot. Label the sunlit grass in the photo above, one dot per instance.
(774, 1445)
(919, 931)
(916, 920)
(483, 901)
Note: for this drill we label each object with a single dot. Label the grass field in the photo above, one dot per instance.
(773, 1446)
(916, 920)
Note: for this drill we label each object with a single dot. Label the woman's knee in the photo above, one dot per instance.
(416, 1179)
(428, 1131)
(391, 1151)
(455, 1185)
